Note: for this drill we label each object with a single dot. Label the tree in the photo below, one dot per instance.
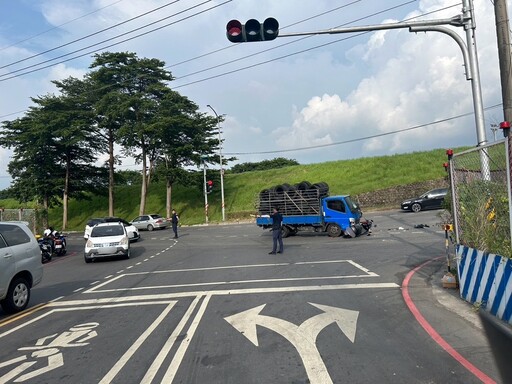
(278, 162)
(130, 90)
(32, 163)
(75, 140)
(53, 149)
(185, 135)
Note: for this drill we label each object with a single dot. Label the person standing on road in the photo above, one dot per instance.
(277, 221)
(174, 221)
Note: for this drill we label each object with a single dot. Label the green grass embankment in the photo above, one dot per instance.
(352, 177)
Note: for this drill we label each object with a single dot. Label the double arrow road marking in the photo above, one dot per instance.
(302, 337)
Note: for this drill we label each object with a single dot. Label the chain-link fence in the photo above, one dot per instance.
(480, 180)
(30, 216)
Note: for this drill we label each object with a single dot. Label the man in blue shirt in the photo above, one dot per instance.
(277, 221)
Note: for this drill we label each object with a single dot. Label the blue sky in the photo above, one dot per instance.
(311, 92)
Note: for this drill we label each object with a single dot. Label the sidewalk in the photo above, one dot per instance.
(455, 324)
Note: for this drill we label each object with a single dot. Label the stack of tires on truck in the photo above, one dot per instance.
(308, 206)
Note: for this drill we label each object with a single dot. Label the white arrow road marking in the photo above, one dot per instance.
(344, 318)
(302, 337)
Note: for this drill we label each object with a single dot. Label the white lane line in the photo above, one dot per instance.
(57, 298)
(94, 282)
(209, 268)
(157, 363)
(108, 277)
(180, 353)
(367, 272)
(78, 290)
(241, 291)
(130, 267)
(275, 280)
(131, 351)
(121, 271)
(104, 283)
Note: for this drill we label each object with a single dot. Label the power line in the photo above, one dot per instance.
(60, 25)
(112, 38)
(85, 37)
(358, 139)
(293, 53)
(230, 46)
(239, 69)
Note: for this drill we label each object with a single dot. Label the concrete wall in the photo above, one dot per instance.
(392, 197)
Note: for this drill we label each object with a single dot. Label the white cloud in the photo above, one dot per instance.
(339, 88)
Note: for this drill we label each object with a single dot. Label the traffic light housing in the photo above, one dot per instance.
(252, 30)
(209, 186)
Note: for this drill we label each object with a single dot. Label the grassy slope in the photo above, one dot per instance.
(344, 177)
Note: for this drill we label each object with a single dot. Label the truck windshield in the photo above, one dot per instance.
(354, 207)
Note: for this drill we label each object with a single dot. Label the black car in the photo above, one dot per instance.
(432, 199)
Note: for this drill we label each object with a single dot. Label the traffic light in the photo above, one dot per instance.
(209, 186)
(252, 30)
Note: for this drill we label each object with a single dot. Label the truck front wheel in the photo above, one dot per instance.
(285, 231)
(334, 230)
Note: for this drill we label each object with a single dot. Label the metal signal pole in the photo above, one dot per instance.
(221, 168)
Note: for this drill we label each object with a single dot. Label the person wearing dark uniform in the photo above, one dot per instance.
(277, 221)
(174, 221)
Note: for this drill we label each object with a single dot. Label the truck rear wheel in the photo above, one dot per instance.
(285, 231)
(334, 230)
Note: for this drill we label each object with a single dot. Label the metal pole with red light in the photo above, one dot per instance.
(221, 167)
(505, 126)
(205, 192)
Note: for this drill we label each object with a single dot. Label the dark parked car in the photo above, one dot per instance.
(432, 199)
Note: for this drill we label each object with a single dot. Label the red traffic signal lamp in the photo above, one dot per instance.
(252, 30)
(209, 186)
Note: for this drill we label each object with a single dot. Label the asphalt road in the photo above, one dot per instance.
(214, 307)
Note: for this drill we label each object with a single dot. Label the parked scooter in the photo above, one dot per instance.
(59, 244)
(46, 248)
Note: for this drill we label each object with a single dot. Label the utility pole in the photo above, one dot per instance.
(503, 38)
(221, 167)
(203, 158)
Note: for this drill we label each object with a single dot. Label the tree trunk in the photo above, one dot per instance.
(65, 199)
(168, 200)
(45, 207)
(143, 190)
(111, 177)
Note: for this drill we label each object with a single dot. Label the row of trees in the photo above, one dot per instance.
(123, 104)
(278, 162)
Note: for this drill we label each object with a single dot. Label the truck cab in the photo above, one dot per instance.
(339, 213)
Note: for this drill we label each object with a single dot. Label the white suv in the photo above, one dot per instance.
(133, 233)
(107, 239)
(21, 267)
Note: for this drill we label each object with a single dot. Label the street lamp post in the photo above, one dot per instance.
(221, 167)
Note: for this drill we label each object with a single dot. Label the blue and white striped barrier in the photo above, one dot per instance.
(486, 278)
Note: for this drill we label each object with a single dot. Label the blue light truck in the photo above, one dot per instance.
(309, 207)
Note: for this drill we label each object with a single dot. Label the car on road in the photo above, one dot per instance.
(21, 267)
(150, 222)
(432, 199)
(133, 232)
(107, 239)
